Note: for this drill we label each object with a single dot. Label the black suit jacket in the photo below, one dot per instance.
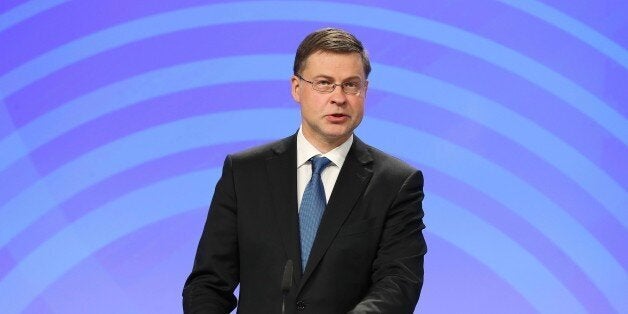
(367, 256)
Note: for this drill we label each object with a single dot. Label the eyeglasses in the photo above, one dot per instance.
(325, 86)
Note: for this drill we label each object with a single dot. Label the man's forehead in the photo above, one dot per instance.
(327, 63)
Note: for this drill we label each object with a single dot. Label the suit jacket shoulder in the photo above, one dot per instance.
(267, 150)
(386, 167)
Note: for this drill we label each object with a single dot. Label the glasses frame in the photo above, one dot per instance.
(333, 88)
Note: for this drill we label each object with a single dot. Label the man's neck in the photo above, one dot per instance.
(324, 145)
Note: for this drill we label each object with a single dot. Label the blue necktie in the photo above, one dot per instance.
(312, 207)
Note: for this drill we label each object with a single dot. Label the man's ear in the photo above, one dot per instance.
(295, 88)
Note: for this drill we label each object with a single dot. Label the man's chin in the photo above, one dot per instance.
(338, 136)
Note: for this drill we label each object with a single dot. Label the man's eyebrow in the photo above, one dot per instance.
(351, 78)
(329, 78)
(323, 76)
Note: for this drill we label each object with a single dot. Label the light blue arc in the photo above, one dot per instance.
(537, 140)
(84, 237)
(510, 191)
(572, 27)
(276, 67)
(25, 11)
(133, 90)
(51, 190)
(552, 16)
(396, 22)
(513, 193)
(496, 250)
(140, 208)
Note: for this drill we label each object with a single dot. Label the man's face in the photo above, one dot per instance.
(329, 119)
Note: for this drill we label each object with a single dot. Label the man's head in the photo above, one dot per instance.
(330, 40)
(331, 69)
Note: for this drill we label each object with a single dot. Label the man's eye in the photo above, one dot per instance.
(352, 84)
(323, 83)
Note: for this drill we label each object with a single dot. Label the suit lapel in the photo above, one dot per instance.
(283, 180)
(353, 178)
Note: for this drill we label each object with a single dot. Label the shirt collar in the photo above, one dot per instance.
(305, 151)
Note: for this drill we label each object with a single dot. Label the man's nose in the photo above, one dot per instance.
(338, 97)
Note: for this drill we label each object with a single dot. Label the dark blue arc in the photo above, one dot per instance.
(409, 25)
(586, 245)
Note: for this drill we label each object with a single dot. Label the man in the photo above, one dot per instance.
(347, 216)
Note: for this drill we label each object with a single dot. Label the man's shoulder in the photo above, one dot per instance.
(266, 150)
(386, 162)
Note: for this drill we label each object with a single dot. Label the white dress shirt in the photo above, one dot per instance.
(305, 151)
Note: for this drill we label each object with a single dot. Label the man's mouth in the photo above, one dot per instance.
(337, 118)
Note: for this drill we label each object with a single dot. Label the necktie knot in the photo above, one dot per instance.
(318, 164)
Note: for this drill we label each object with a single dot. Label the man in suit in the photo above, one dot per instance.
(347, 215)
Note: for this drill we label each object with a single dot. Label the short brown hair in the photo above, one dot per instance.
(330, 40)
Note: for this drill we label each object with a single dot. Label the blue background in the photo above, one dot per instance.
(115, 117)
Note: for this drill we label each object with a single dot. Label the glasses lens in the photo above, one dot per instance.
(323, 86)
(351, 87)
